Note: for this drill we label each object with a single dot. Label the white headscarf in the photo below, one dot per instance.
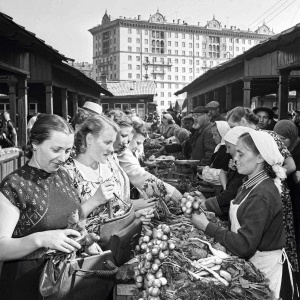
(234, 133)
(222, 127)
(268, 149)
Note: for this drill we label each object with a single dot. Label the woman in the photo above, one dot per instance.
(254, 235)
(233, 180)
(35, 203)
(8, 134)
(288, 132)
(220, 158)
(148, 185)
(241, 116)
(168, 126)
(94, 166)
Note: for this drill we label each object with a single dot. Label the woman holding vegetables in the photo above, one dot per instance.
(256, 215)
(35, 203)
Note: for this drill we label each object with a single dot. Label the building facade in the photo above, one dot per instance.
(172, 54)
(85, 67)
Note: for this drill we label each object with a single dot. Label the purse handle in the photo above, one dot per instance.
(101, 273)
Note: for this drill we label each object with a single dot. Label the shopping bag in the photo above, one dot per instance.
(81, 278)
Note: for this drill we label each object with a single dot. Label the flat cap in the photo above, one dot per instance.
(269, 111)
(200, 109)
(212, 104)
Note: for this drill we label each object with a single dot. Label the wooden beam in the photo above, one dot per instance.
(247, 93)
(12, 102)
(283, 95)
(75, 103)
(64, 103)
(22, 111)
(228, 96)
(49, 98)
(216, 95)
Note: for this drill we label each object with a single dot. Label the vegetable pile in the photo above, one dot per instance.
(154, 247)
(198, 268)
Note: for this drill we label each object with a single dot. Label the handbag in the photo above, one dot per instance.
(120, 234)
(84, 278)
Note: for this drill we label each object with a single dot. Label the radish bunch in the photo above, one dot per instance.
(190, 202)
(155, 246)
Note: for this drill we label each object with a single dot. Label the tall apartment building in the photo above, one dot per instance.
(172, 54)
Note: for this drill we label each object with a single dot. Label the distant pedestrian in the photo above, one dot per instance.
(8, 133)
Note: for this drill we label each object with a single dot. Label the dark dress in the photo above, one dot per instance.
(45, 202)
(220, 159)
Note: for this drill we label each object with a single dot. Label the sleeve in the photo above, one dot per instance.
(209, 147)
(245, 242)
(9, 188)
(281, 147)
(213, 206)
(229, 194)
(148, 184)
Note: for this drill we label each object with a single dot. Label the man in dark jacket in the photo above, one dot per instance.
(202, 142)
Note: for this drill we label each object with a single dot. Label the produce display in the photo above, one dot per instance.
(178, 261)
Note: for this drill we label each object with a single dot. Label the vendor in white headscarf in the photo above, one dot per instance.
(256, 215)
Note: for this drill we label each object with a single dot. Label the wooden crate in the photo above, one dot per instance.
(123, 291)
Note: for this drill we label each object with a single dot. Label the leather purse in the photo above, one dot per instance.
(120, 235)
(85, 278)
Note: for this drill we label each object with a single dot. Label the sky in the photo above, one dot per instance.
(64, 24)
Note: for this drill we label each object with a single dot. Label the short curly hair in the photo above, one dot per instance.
(93, 125)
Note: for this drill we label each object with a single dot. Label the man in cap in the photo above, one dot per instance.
(265, 116)
(213, 110)
(202, 143)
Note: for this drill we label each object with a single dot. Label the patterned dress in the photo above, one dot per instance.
(288, 218)
(45, 202)
(86, 181)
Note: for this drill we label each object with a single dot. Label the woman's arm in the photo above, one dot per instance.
(223, 179)
(289, 165)
(16, 248)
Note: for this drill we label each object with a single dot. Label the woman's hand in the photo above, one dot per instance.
(176, 196)
(145, 215)
(203, 204)
(58, 240)
(296, 177)
(143, 203)
(232, 165)
(104, 192)
(200, 221)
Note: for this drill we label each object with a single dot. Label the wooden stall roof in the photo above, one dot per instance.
(132, 88)
(23, 40)
(269, 45)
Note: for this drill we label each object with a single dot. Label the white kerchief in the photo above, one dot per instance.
(268, 149)
(222, 127)
(234, 133)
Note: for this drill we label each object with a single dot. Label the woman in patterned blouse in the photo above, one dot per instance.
(35, 203)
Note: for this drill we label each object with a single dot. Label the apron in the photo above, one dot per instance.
(268, 262)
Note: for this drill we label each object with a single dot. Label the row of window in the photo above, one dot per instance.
(161, 77)
(162, 103)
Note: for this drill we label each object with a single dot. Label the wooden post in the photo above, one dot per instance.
(22, 111)
(64, 103)
(12, 102)
(206, 98)
(297, 100)
(49, 99)
(283, 95)
(247, 93)
(216, 95)
(228, 97)
(75, 103)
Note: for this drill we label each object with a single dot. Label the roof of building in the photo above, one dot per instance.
(131, 88)
(27, 39)
(269, 45)
(21, 38)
